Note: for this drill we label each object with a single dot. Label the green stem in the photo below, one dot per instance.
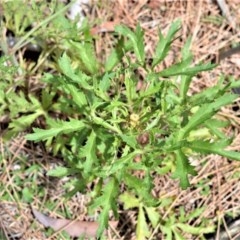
(24, 40)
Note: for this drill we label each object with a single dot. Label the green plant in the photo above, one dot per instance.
(110, 131)
(45, 25)
(176, 224)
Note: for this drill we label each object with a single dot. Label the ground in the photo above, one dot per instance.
(212, 33)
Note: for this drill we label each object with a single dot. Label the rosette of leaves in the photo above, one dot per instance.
(111, 130)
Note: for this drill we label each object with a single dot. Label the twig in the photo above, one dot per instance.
(226, 12)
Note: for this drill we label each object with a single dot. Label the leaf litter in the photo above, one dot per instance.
(74, 228)
(209, 38)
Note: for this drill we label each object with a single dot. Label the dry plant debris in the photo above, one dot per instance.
(211, 32)
(73, 228)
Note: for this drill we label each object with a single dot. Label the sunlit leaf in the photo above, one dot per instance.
(62, 127)
(129, 200)
(164, 44)
(183, 169)
(207, 147)
(142, 226)
(136, 38)
(206, 111)
(86, 53)
(153, 215)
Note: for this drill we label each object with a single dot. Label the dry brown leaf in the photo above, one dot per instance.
(73, 228)
(104, 27)
(154, 4)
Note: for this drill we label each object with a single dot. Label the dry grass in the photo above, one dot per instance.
(210, 33)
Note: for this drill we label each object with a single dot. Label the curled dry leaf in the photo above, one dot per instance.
(73, 228)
